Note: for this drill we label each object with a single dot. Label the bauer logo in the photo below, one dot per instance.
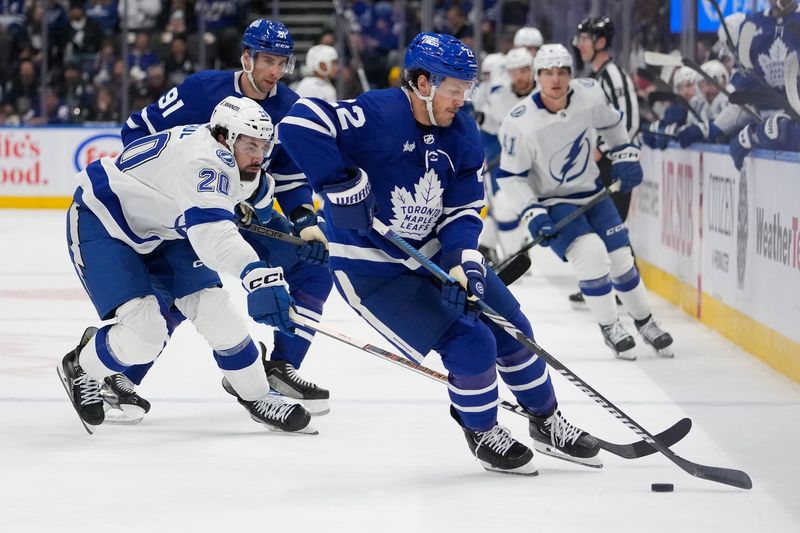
(95, 147)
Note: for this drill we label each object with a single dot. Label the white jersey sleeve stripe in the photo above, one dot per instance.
(305, 123)
(146, 120)
(319, 112)
(477, 204)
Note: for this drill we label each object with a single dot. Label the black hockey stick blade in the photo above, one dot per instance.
(271, 233)
(726, 476)
(765, 99)
(513, 270)
(660, 96)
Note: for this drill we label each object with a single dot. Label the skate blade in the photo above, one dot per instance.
(547, 449)
(125, 416)
(308, 430)
(316, 407)
(627, 355)
(528, 469)
(665, 352)
(63, 380)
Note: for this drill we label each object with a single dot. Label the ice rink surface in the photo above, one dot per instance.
(388, 457)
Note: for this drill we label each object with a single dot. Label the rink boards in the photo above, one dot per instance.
(724, 245)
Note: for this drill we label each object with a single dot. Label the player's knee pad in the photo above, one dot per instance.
(467, 348)
(140, 332)
(216, 318)
(621, 261)
(588, 256)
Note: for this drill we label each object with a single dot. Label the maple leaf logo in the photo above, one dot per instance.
(416, 215)
(773, 64)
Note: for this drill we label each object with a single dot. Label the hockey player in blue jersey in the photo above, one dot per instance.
(267, 54)
(411, 158)
(155, 225)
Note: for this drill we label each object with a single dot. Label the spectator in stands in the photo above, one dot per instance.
(55, 111)
(85, 34)
(142, 14)
(12, 32)
(224, 20)
(178, 20)
(141, 57)
(57, 30)
(102, 68)
(105, 13)
(22, 91)
(458, 26)
(105, 108)
(178, 65)
(75, 93)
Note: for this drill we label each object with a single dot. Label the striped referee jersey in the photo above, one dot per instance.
(620, 93)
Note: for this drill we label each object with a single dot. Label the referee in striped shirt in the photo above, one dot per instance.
(592, 40)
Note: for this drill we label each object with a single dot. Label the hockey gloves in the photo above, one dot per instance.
(540, 225)
(625, 166)
(352, 203)
(309, 227)
(470, 275)
(261, 204)
(695, 133)
(773, 133)
(268, 299)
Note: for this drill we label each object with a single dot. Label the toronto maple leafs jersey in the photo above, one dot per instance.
(163, 186)
(548, 158)
(314, 87)
(764, 42)
(426, 180)
(193, 101)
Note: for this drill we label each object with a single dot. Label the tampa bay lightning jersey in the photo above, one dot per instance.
(161, 185)
(427, 181)
(764, 42)
(193, 101)
(548, 158)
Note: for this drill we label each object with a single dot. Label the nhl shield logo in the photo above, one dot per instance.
(428, 139)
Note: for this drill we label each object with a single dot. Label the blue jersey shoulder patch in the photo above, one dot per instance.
(518, 111)
(226, 157)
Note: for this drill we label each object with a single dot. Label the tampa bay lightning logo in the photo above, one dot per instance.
(518, 111)
(179, 227)
(226, 157)
(570, 161)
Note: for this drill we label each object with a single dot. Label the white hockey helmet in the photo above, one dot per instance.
(491, 63)
(528, 36)
(715, 69)
(320, 55)
(552, 56)
(683, 76)
(242, 116)
(518, 58)
(734, 23)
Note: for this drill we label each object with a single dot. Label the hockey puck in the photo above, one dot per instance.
(662, 487)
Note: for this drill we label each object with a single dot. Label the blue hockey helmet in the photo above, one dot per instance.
(269, 37)
(443, 56)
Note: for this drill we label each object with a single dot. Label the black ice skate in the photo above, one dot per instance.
(578, 302)
(619, 340)
(496, 450)
(554, 436)
(652, 334)
(83, 391)
(275, 412)
(284, 379)
(121, 403)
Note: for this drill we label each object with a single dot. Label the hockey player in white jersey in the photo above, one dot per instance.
(155, 225)
(530, 38)
(548, 169)
(519, 67)
(322, 63)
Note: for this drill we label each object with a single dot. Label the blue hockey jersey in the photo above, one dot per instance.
(763, 44)
(427, 181)
(193, 101)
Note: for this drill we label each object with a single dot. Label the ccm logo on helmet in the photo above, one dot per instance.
(265, 281)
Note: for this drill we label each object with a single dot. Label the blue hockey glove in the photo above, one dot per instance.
(740, 146)
(268, 299)
(649, 137)
(695, 133)
(352, 203)
(261, 204)
(773, 132)
(675, 114)
(540, 225)
(311, 228)
(625, 166)
(470, 273)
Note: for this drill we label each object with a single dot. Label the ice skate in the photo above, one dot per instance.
(660, 340)
(496, 450)
(619, 340)
(121, 403)
(578, 302)
(275, 412)
(83, 391)
(284, 379)
(556, 437)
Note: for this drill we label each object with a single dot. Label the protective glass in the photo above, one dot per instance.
(454, 88)
(252, 147)
(284, 64)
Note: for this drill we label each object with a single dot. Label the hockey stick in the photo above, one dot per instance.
(634, 450)
(665, 96)
(763, 98)
(658, 134)
(736, 478)
(362, 77)
(515, 264)
(271, 233)
(669, 60)
(790, 81)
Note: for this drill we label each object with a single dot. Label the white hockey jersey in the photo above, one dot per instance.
(314, 87)
(163, 185)
(498, 103)
(548, 158)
